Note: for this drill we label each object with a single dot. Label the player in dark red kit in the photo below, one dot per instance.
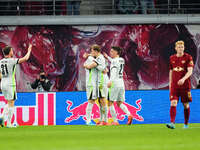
(181, 67)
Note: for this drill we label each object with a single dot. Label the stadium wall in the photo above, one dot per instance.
(102, 19)
(68, 108)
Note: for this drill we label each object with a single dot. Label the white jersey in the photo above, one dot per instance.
(101, 65)
(91, 74)
(106, 78)
(116, 71)
(7, 69)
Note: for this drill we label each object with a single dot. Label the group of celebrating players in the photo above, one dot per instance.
(99, 86)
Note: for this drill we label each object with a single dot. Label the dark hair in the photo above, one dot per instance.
(117, 49)
(96, 47)
(6, 50)
(42, 71)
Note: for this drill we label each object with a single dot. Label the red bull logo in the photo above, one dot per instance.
(42, 113)
(80, 111)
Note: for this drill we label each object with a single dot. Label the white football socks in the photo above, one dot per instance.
(101, 113)
(113, 113)
(89, 112)
(10, 114)
(105, 114)
(125, 109)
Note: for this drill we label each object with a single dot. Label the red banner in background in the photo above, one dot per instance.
(58, 50)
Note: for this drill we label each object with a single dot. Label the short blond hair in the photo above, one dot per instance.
(179, 43)
(96, 47)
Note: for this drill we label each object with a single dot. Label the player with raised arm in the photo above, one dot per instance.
(181, 67)
(8, 84)
(116, 84)
(100, 64)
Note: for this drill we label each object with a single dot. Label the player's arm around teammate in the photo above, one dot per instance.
(100, 66)
(90, 87)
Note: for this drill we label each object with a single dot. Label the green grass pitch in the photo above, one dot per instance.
(81, 137)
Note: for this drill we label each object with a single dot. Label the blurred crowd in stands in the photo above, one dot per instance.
(72, 7)
(36, 7)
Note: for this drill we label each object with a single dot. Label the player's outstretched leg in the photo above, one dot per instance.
(125, 110)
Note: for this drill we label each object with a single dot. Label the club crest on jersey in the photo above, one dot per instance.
(183, 61)
(178, 69)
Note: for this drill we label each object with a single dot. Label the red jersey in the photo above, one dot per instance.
(179, 66)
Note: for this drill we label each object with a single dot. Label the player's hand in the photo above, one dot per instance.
(105, 55)
(85, 66)
(181, 82)
(109, 84)
(85, 55)
(30, 48)
(105, 71)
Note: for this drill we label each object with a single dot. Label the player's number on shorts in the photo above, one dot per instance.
(4, 69)
(121, 69)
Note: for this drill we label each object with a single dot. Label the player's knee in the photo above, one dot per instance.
(11, 103)
(119, 103)
(91, 101)
(186, 105)
(103, 102)
(174, 103)
(110, 103)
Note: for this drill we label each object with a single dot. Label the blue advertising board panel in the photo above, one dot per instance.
(149, 106)
(69, 108)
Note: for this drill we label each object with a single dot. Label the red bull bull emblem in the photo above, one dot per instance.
(80, 111)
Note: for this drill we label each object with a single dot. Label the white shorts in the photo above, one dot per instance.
(92, 93)
(116, 94)
(9, 91)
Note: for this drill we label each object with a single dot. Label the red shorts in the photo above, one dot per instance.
(185, 95)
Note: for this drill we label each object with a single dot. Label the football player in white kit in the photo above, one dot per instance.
(116, 84)
(8, 84)
(91, 87)
(99, 63)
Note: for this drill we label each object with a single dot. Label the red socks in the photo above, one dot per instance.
(187, 115)
(173, 113)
